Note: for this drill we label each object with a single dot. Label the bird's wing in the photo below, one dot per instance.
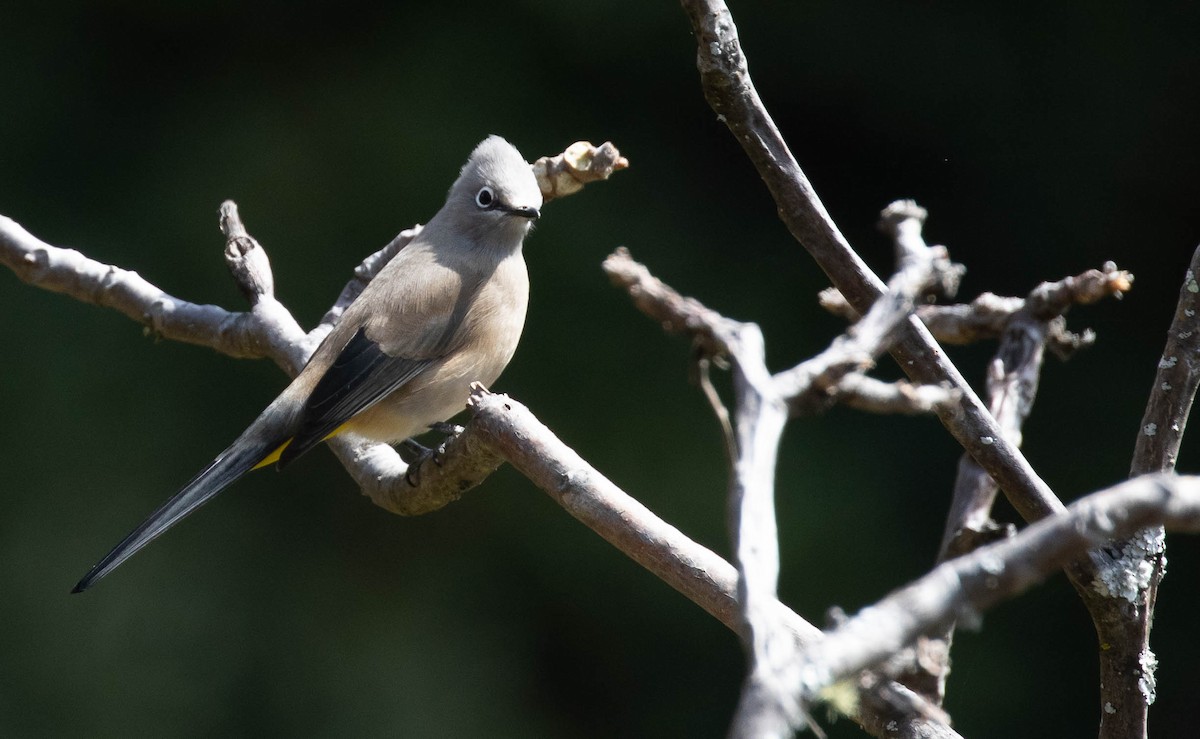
(362, 374)
(408, 327)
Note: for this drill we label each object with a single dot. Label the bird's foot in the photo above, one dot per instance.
(450, 430)
(418, 453)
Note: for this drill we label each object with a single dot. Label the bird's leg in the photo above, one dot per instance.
(412, 450)
(415, 457)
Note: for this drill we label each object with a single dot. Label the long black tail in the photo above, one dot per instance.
(222, 472)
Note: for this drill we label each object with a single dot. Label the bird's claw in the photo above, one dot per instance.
(419, 453)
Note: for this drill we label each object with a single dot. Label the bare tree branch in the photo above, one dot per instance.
(1174, 388)
(70, 272)
(965, 587)
(1012, 383)
(727, 86)
(758, 420)
(919, 268)
(829, 374)
(768, 706)
(868, 394)
(510, 430)
(1127, 666)
(731, 94)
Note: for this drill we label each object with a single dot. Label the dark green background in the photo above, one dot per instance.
(1043, 140)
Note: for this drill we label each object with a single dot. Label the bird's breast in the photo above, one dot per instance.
(488, 338)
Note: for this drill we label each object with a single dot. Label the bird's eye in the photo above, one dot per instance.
(485, 197)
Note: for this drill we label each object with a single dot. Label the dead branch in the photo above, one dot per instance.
(965, 587)
(731, 94)
(1127, 681)
(508, 429)
(768, 706)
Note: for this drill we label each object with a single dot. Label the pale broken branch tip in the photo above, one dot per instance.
(566, 173)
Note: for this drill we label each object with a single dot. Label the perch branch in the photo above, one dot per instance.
(268, 330)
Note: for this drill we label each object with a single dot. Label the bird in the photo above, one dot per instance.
(446, 311)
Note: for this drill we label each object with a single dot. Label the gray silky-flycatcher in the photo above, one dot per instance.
(446, 311)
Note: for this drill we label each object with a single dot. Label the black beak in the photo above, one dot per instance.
(525, 211)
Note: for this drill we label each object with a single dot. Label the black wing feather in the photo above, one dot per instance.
(362, 374)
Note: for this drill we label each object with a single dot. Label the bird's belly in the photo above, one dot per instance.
(436, 395)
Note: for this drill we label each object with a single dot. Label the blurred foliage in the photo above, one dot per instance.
(1044, 139)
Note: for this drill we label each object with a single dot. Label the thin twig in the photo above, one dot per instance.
(919, 268)
(1012, 383)
(1171, 396)
(875, 396)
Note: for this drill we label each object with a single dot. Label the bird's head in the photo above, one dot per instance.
(496, 194)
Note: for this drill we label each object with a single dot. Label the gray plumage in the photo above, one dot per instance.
(446, 311)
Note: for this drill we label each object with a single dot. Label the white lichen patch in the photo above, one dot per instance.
(1150, 429)
(1167, 362)
(987, 440)
(1190, 280)
(1108, 708)
(1129, 574)
(1147, 683)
